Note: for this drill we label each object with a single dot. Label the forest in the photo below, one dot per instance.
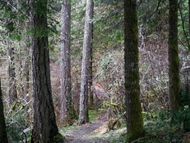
(94, 71)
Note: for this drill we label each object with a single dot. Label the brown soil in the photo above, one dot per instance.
(85, 133)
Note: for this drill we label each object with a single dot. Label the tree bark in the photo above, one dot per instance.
(91, 61)
(174, 79)
(3, 132)
(27, 64)
(132, 88)
(27, 69)
(189, 16)
(44, 124)
(83, 113)
(11, 73)
(68, 113)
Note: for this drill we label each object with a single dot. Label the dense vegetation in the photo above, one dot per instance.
(64, 63)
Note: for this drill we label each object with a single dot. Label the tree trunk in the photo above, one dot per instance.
(132, 88)
(20, 88)
(90, 68)
(27, 69)
(68, 113)
(11, 72)
(27, 64)
(174, 79)
(83, 113)
(189, 16)
(45, 128)
(3, 132)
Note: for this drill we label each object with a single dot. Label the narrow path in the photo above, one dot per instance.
(83, 134)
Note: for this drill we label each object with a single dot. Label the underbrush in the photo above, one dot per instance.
(167, 127)
(159, 132)
(18, 129)
(94, 114)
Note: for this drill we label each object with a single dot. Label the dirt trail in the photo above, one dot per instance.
(83, 134)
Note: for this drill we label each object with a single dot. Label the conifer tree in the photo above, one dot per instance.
(83, 113)
(44, 123)
(174, 79)
(91, 101)
(132, 87)
(68, 113)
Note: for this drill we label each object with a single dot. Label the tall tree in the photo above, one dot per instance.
(174, 79)
(189, 16)
(68, 113)
(83, 111)
(3, 132)
(91, 61)
(27, 67)
(132, 88)
(44, 125)
(11, 74)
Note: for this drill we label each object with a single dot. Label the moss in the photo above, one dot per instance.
(59, 138)
(93, 114)
(133, 104)
(73, 117)
(135, 135)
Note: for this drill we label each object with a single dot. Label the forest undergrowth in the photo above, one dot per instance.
(159, 124)
(159, 128)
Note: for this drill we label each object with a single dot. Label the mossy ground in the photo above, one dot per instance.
(93, 114)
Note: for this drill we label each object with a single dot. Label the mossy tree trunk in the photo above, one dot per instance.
(83, 111)
(133, 105)
(68, 113)
(189, 40)
(44, 123)
(189, 16)
(3, 132)
(174, 79)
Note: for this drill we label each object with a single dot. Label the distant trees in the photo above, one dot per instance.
(44, 125)
(174, 79)
(68, 113)
(83, 111)
(11, 73)
(132, 87)
(3, 132)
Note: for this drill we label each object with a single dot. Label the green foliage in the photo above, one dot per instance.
(93, 114)
(182, 117)
(15, 127)
(184, 97)
(159, 131)
(164, 114)
(74, 116)
(58, 138)
(151, 13)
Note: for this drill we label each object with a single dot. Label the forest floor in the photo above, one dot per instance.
(94, 132)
